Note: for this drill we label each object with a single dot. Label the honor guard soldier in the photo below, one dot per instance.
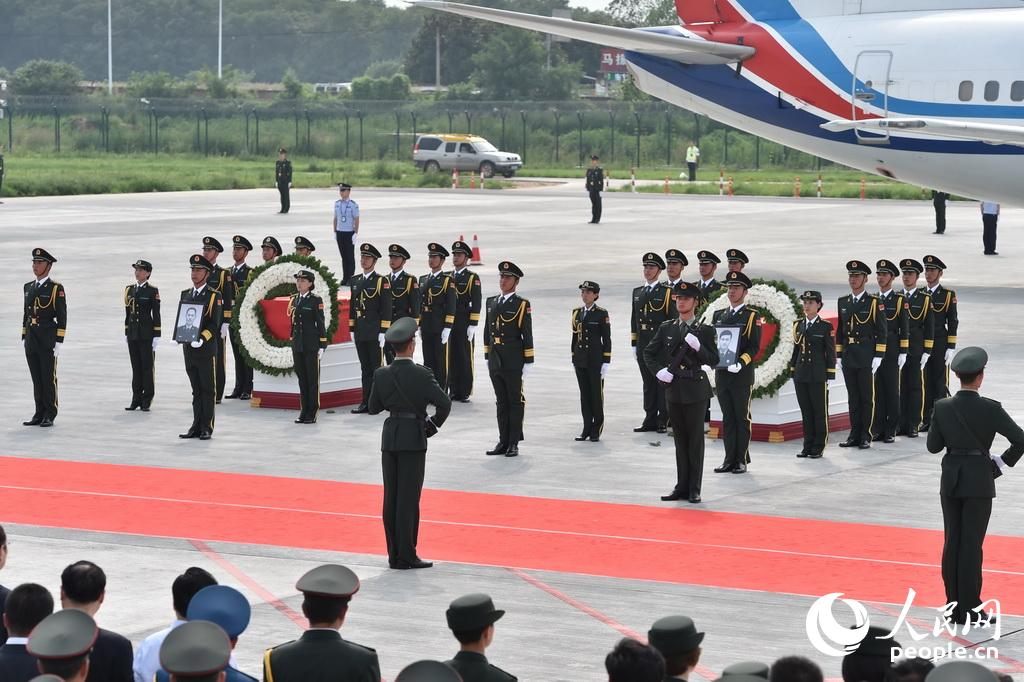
(309, 341)
(437, 313)
(62, 643)
(196, 649)
(239, 278)
(228, 609)
(591, 349)
(707, 263)
(220, 281)
(42, 332)
(142, 333)
(675, 261)
(887, 378)
(320, 654)
(675, 356)
(471, 619)
(271, 249)
(428, 671)
(813, 368)
(964, 426)
(921, 335)
(283, 178)
(304, 247)
(676, 638)
(595, 185)
(369, 316)
(508, 350)
(405, 389)
(945, 324)
(652, 302)
(737, 260)
(461, 344)
(405, 291)
(860, 347)
(735, 383)
(201, 354)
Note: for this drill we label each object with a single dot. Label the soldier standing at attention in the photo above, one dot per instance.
(675, 356)
(675, 261)
(437, 313)
(142, 333)
(283, 178)
(921, 335)
(309, 341)
(42, 333)
(964, 426)
(887, 378)
(737, 260)
(239, 278)
(471, 619)
(860, 346)
(461, 345)
(2, 171)
(595, 185)
(220, 281)
(945, 324)
(369, 316)
(813, 368)
(271, 249)
(304, 247)
(707, 264)
(201, 354)
(405, 292)
(651, 307)
(405, 389)
(735, 383)
(508, 349)
(591, 349)
(346, 230)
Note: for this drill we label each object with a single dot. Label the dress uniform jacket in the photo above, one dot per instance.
(3, 600)
(43, 326)
(200, 363)
(221, 281)
(594, 185)
(243, 373)
(437, 313)
(920, 340)
(508, 346)
(887, 378)
(473, 667)
(309, 335)
(652, 305)
(812, 364)
(405, 302)
(734, 389)
(369, 316)
(230, 675)
(141, 326)
(110, 659)
(321, 656)
(17, 664)
(707, 289)
(945, 324)
(860, 338)
(460, 348)
(591, 347)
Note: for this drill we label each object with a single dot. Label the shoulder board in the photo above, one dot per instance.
(361, 646)
(524, 300)
(993, 402)
(603, 310)
(635, 289)
(128, 287)
(508, 676)
(291, 641)
(491, 298)
(185, 291)
(155, 290)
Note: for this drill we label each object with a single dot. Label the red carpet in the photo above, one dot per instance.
(671, 544)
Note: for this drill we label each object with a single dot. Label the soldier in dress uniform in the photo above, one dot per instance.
(320, 654)
(945, 324)
(860, 347)
(707, 263)
(428, 671)
(652, 302)
(737, 260)
(283, 178)
(62, 642)
(405, 292)
(591, 350)
(239, 278)
(964, 426)
(309, 341)
(196, 649)
(405, 389)
(595, 185)
(201, 354)
(813, 368)
(304, 247)
(735, 383)
(675, 261)
(471, 619)
(508, 350)
(142, 333)
(271, 249)
(461, 345)
(887, 378)
(42, 333)
(226, 608)
(921, 335)
(677, 639)
(369, 316)
(437, 313)
(220, 281)
(675, 356)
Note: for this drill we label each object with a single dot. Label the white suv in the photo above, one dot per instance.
(438, 151)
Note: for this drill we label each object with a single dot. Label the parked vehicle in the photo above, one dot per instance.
(442, 152)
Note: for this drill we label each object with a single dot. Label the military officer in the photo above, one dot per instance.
(735, 383)
(887, 378)
(42, 333)
(304, 247)
(405, 389)
(405, 291)
(196, 649)
(201, 354)
(677, 639)
(737, 260)
(675, 356)
(142, 333)
(860, 347)
(62, 642)
(320, 654)
(595, 185)
(271, 249)
(471, 619)
(227, 608)
(283, 178)
(945, 324)
(675, 261)
(964, 426)
(508, 350)
(220, 281)
(707, 263)
(437, 313)
(369, 316)
(428, 671)
(651, 306)
(921, 335)
(461, 344)
(591, 350)
(813, 368)
(309, 341)
(239, 278)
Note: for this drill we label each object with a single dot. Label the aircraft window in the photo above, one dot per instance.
(991, 91)
(966, 91)
(1017, 91)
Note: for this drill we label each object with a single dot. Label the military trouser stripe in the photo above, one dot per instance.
(825, 411)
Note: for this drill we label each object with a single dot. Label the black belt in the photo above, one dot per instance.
(406, 415)
(964, 452)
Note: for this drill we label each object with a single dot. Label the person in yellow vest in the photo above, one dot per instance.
(692, 159)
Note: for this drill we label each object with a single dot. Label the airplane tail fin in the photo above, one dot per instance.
(699, 11)
(725, 11)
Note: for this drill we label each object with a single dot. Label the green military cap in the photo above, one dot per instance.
(911, 265)
(509, 268)
(674, 635)
(302, 242)
(676, 256)
(749, 668)
(707, 257)
(368, 249)
(857, 267)
(737, 255)
(401, 330)
(435, 249)
(333, 580)
(934, 262)
(686, 289)
(197, 261)
(272, 243)
(472, 611)
(462, 247)
(595, 157)
(651, 258)
(212, 243)
(591, 286)
(428, 671)
(875, 643)
(62, 635)
(811, 295)
(970, 360)
(239, 240)
(740, 678)
(143, 264)
(195, 649)
(305, 274)
(47, 678)
(961, 671)
(887, 267)
(399, 251)
(42, 255)
(738, 279)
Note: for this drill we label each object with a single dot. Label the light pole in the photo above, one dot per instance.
(110, 52)
(220, 40)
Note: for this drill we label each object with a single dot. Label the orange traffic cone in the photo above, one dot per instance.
(476, 252)
(472, 180)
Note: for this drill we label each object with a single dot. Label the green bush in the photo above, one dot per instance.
(45, 77)
(434, 180)
(382, 170)
(155, 84)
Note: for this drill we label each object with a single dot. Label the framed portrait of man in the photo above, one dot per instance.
(187, 324)
(728, 339)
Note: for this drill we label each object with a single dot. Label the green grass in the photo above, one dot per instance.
(875, 188)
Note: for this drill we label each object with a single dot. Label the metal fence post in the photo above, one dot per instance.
(412, 115)
(504, 115)
(295, 112)
(256, 117)
(309, 141)
(725, 147)
(668, 140)
(469, 123)
(579, 121)
(359, 115)
(198, 139)
(348, 154)
(558, 133)
(636, 115)
(611, 130)
(451, 116)
(247, 147)
(206, 132)
(56, 129)
(757, 153)
(156, 131)
(10, 127)
(398, 136)
(522, 113)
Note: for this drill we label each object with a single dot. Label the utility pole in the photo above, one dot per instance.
(220, 40)
(110, 51)
(437, 58)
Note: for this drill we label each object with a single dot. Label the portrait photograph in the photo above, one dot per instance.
(728, 343)
(187, 324)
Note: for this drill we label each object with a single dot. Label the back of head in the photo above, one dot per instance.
(910, 670)
(324, 610)
(631, 661)
(187, 584)
(871, 661)
(26, 606)
(795, 669)
(83, 582)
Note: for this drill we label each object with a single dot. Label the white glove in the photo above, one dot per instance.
(471, 332)
(604, 369)
(445, 333)
(829, 382)
(156, 342)
(734, 368)
(634, 352)
(875, 364)
(56, 349)
(355, 236)
(901, 360)
(692, 341)
(924, 359)
(224, 329)
(380, 339)
(527, 369)
(998, 459)
(320, 353)
(289, 185)
(839, 367)
(949, 355)
(665, 375)
(197, 344)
